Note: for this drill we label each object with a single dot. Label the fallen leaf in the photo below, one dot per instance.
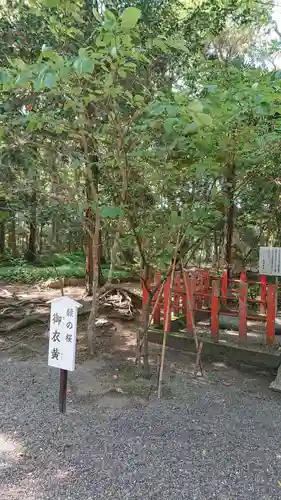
(279, 484)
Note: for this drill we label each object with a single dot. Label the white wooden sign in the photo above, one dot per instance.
(62, 337)
(270, 261)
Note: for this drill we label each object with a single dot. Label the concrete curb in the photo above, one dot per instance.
(234, 354)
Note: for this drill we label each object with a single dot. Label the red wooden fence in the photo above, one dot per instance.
(212, 294)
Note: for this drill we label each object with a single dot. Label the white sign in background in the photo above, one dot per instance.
(62, 336)
(270, 261)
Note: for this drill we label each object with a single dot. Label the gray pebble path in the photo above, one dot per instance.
(213, 442)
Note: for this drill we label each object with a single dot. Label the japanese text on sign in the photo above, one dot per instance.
(62, 340)
(270, 261)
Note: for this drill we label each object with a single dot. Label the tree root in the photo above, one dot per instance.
(122, 302)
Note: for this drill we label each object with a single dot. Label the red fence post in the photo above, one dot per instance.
(177, 293)
(157, 312)
(215, 310)
(243, 276)
(224, 287)
(190, 303)
(271, 313)
(263, 294)
(166, 304)
(243, 311)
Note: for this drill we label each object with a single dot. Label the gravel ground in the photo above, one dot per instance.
(215, 441)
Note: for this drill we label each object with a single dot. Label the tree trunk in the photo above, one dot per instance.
(12, 237)
(145, 324)
(92, 184)
(113, 255)
(41, 239)
(69, 241)
(89, 253)
(92, 329)
(216, 251)
(2, 237)
(55, 233)
(230, 213)
(31, 250)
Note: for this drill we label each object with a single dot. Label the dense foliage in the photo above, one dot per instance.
(121, 125)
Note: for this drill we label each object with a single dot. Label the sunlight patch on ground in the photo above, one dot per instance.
(10, 451)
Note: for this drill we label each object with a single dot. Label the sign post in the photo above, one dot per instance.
(270, 261)
(270, 264)
(62, 341)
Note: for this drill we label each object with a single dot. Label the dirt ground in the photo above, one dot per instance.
(214, 437)
(114, 336)
(112, 372)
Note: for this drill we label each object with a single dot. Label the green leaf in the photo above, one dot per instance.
(109, 80)
(49, 80)
(160, 43)
(109, 20)
(204, 119)
(97, 15)
(112, 212)
(191, 128)
(4, 77)
(177, 43)
(211, 88)
(130, 17)
(169, 125)
(84, 64)
(122, 73)
(52, 3)
(195, 107)
(138, 99)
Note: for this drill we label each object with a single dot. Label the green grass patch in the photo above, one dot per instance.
(26, 273)
(66, 265)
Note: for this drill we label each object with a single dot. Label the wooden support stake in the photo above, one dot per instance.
(157, 311)
(199, 285)
(243, 311)
(215, 310)
(206, 288)
(271, 314)
(167, 316)
(198, 363)
(167, 304)
(145, 298)
(224, 287)
(189, 284)
(177, 294)
(189, 307)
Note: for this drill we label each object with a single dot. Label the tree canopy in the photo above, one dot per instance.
(122, 124)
